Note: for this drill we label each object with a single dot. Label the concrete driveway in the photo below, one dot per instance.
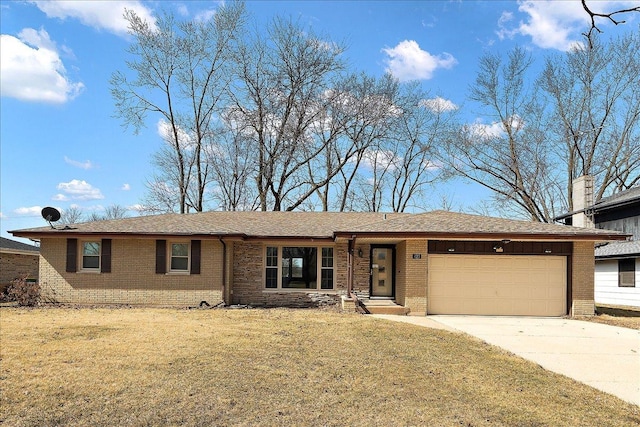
(602, 356)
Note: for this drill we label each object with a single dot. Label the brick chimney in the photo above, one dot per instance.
(582, 201)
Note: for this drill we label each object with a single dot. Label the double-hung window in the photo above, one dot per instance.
(326, 272)
(627, 273)
(299, 267)
(179, 255)
(91, 256)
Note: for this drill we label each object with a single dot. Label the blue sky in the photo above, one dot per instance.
(61, 146)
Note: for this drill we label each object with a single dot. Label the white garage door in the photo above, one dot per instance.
(497, 285)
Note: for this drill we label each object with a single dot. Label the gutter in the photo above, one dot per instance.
(592, 237)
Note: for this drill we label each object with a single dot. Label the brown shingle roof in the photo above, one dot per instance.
(8, 245)
(322, 225)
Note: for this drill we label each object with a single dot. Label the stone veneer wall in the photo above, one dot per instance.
(132, 279)
(248, 280)
(13, 266)
(362, 268)
(582, 279)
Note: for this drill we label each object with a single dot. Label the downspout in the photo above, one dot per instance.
(224, 270)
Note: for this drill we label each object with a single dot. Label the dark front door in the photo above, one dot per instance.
(382, 271)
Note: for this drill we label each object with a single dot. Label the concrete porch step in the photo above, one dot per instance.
(384, 307)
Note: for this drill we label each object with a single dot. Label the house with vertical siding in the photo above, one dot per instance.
(429, 263)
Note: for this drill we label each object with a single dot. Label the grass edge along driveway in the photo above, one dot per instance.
(99, 367)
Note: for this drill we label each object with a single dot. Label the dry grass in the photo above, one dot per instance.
(607, 319)
(626, 317)
(153, 367)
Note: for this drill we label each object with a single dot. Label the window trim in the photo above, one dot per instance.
(170, 269)
(278, 268)
(632, 271)
(81, 256)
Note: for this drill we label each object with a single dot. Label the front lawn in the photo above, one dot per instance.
(105, 367)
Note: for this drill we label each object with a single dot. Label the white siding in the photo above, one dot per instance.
(606, 285)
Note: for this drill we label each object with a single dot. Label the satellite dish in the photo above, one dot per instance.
(50, 215)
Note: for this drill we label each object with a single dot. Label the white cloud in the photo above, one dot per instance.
(205, 15)
(381, 159)
(79, 190)
(553, 24)
(60, 198)
(101, 15)
(31, 69)
(182, 10)
(125, 187)
(86, 165)
(407, 61)
(485, 131)
(166, 133)
(33, 210)
(438, 105)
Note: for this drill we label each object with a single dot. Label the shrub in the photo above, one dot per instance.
(24, 291)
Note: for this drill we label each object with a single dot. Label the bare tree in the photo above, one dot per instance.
(72, 215)
(610, 16)
(509, 155)
(278, 96)
(233, 168)
(418, 133)
(595, 119)
(110, 212)
(580, 116)
(366, 110)
(180, 76)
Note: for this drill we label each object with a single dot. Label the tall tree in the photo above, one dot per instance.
(594, 92)
(580, 115)
(278, 97)
(365, 108)
(509, 155)
(180, 74)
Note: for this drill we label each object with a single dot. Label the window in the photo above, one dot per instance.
(272, 268)
(91, 256)
(291, 267)
(627, 273)
(179, 257)
(326, 278)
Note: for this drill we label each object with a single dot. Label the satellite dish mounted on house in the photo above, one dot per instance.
(50, 215)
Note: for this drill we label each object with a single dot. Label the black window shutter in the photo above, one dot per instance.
(105, 263)
(72, 255)
(161, 256)
(195, 256)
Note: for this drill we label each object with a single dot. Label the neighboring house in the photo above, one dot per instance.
(617, 270)
(17, 259)
(431, 263)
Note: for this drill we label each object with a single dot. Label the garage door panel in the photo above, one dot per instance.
(497, 285)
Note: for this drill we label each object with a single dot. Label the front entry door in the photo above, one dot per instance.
(382, 266)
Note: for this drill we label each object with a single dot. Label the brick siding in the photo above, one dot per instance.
(582, 279)
(248, 280)
(132, 279)
(13, 266)
(415, 276)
